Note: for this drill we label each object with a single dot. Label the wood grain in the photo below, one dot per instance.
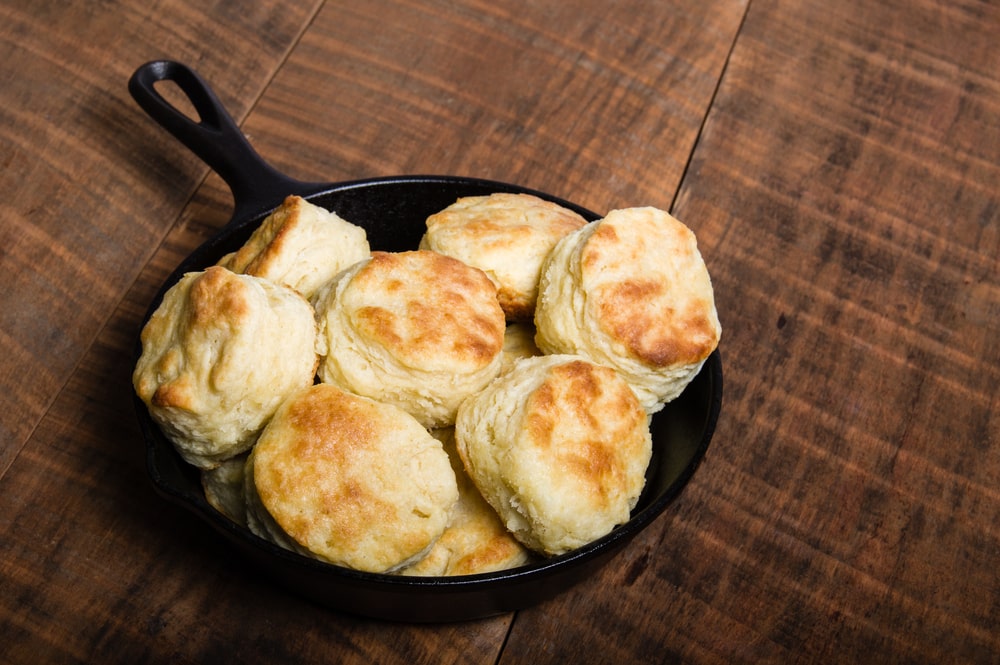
(78, 168)
(840, 163)
(856, 264)
(576, 99)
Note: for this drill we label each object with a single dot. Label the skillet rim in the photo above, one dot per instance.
(455, 597)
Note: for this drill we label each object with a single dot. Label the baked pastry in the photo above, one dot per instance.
(505, 235)
(300, 245)
(475, 541)
(559, 447)
(632, 292)
(418, 330)
(349, 480)
(518, 343)
(223, 487)
(218, 355)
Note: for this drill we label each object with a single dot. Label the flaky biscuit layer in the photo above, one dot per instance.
(559, 447)
(475, 541)
(218, 355)
(300, 245)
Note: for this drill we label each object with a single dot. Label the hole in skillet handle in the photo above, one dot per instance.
(392, 211)
(215, 137)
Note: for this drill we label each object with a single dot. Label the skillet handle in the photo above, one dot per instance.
(256, 186)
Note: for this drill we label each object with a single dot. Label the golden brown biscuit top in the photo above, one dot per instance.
(493, 547)
(219, 354)
(324, 430)
(503, 220)
(432, 312)
(586, 422)
(218, 298)
(352, 480)
(649, 287)
(300, 245)
(506, 235)
(267, 245)
(217, 302)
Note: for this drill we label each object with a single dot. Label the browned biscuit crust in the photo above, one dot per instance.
(559, 447)
(415, 329)
(430, 311)
(351, 481)
(505, 235)
(218, 355)
(631, 291)
(300, 245)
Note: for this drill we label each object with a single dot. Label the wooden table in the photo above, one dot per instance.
(839, 161)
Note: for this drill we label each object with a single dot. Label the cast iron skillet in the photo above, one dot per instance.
(392, 210)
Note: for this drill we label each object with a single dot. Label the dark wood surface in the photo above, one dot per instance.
(839, 161)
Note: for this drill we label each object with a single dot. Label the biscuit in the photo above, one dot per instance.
(475, 541)
(559, 447)
(219, 354)
(507, 236)
(300, 245)
(223, 487)
(349, 481)
(518, 343)
(632, 292)
(417, 329)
